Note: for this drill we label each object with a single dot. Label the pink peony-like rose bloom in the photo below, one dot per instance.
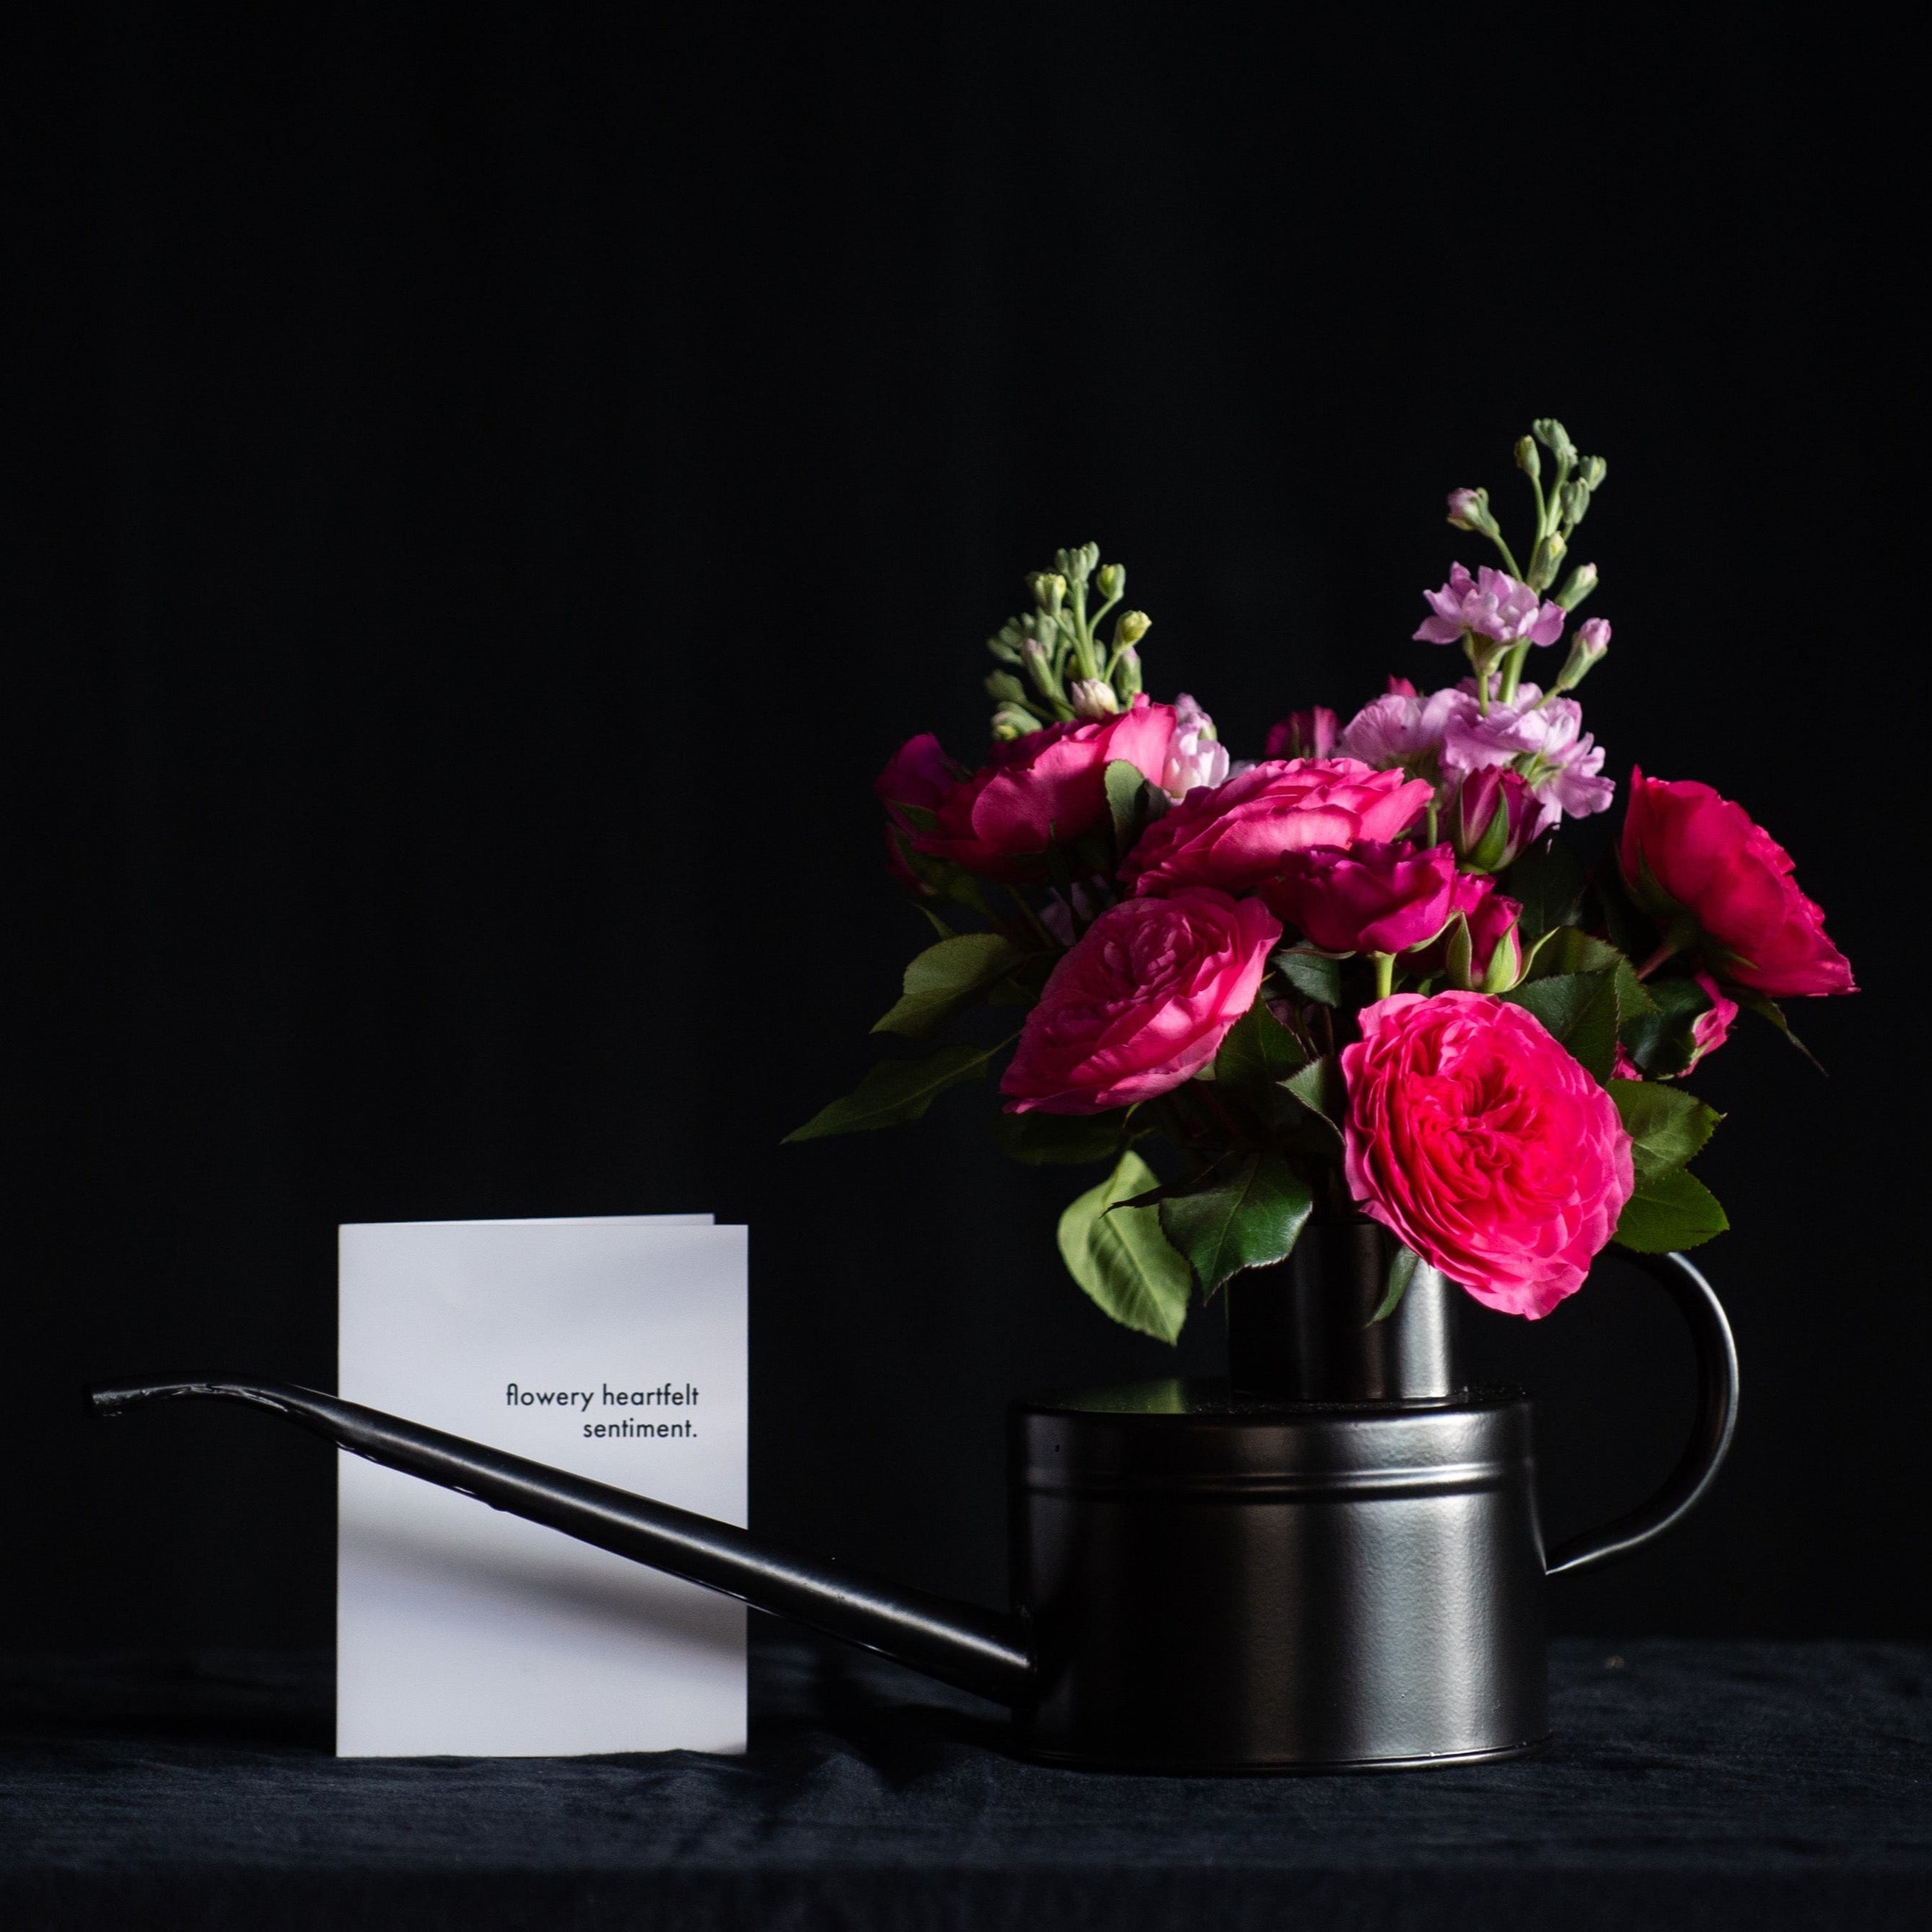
(1235, 836)
(1302, 734)
(1372, 898)
(1141, 1003)
(1478, 1140)
(1690, 857)
(920, 775)
(1047, 786)
(1493, 604)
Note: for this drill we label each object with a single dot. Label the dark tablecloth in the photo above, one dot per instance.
(1691, 1784)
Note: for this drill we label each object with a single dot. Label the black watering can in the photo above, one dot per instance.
(1330, 1561)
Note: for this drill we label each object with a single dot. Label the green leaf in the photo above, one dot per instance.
(943, 978)
(1666, 1125)
(1403, 1265)
(938, 925)
(1318, 1086)
(1769, 1009)
(1043, 1140)
(896, 1090)
(1572, 950)
(1580, 1010)
(1251, 1220)
(1122, 1259)
(1258, 1050)
(1662, 1041)
(1126, 804)
(1670, 1211)
(1314, 976)
(1547, 882)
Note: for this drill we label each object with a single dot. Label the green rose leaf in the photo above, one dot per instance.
(1572, 950)
(1319, 1087)
(1669, 1210)
(1314, 976)
(1403, 1265)
(1755, 1002)
(1547, 883)
(1044, 1140)
(896, 1090)
(1249, 1220)
(1126, 804)
(1258, 1050)
(944, 978)
(1666, 1125)
(1121, 1258)
(1580, 1010)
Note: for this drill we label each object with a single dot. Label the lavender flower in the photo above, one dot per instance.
(1493, 604)
(1544, 740)
(1403, 729)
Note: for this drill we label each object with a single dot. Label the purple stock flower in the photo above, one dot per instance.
(1403, 729)
(1195, 757)
(1546, 742)
(1493, 604)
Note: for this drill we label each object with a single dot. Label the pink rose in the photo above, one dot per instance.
(1475, 1137)
(1372, 898)
(1047, 787)
(1234, 835)
(1691, 858)
(1143, 1001)
(920, 775)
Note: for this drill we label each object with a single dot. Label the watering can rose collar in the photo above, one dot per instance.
(1364, 975)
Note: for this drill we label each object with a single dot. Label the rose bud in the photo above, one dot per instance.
(1495, 818)
(1303, 734)
(1372, 898)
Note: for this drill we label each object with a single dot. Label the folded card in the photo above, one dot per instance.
(612, 1347)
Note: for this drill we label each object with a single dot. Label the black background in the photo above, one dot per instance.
(492, 486)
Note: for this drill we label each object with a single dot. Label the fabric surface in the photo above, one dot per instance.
(1690, 1784)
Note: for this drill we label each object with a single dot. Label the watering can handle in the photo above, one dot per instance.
(1710, 1433)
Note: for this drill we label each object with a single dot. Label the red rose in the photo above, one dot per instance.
(1045, 788)
(1234, 835)
(1375, 898)
(1692, 859)
(1142, 1001)
(1478, 1140)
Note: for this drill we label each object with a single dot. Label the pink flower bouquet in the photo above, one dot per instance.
(1364, 975)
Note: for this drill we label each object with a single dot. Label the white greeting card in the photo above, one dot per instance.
(612, 1347)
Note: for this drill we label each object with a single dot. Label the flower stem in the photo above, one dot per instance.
(1385, 975)
(1656, 959)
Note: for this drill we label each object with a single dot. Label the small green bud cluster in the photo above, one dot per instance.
(1059, 666)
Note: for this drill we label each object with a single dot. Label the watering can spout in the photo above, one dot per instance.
(979, 1650)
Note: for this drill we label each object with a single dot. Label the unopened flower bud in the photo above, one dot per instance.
(1127, 673)
(1574, 503)
(1039, 661)
(1546, 559)
(1077, 565)
(1495, 815)
(1092, 698)
(1554, 438)
(1013, 721)
(1592, 640)
(1593, 471)
(1303, 734)
(1049, 590)
(1527, 460)
(1577, 586)
(1505, 966)
(1469, 510)
(1005, 644)
(1111, 581)
(1133, 625)
(1006, 688)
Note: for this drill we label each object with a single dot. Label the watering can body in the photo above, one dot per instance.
(1331, 1561)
